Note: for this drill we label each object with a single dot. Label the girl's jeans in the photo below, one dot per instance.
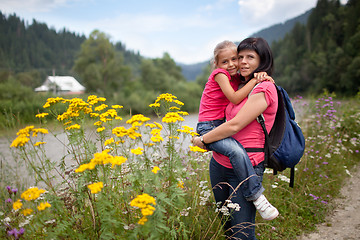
(240, 224)
(251, 188)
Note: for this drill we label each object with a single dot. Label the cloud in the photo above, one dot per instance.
(267, 12)
(11, 6)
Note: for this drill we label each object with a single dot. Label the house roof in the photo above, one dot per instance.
(63, 83)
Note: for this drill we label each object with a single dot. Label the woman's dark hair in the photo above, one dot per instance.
(261, 47)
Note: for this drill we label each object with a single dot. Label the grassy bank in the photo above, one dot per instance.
(141, 181)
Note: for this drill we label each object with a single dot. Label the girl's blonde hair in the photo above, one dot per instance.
(219, 47)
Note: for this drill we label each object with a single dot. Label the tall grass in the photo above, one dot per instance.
(331, 129)
(140, 180)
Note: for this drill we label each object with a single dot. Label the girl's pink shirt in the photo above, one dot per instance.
(252, 136)
(213, 101)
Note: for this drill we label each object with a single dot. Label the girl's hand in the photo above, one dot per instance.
(263, 76)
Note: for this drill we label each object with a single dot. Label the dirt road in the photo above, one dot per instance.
(344, 222)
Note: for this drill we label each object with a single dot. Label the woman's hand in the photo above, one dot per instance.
(197, 142)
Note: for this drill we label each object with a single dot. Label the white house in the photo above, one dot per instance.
(61, 85)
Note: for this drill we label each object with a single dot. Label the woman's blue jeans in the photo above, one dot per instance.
(240, 224)
(251, 187)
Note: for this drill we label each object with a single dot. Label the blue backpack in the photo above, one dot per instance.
(285, 144)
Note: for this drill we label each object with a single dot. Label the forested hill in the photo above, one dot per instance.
(278, 31)
(324, 53)
(26, 47)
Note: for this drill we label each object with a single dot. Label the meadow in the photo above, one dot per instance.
(138, 178)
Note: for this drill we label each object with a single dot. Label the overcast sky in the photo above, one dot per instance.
(187, 29)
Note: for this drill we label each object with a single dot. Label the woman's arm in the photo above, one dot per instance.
(255, 105)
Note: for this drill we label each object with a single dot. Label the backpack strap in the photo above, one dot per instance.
(261, 120)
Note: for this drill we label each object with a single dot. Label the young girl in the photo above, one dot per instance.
(221, 89)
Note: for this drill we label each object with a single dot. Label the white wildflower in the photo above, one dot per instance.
(348, 172)
(268, 170)
(284, 178)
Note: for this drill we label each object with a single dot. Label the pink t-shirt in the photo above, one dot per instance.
(213, 101)
(252, 136)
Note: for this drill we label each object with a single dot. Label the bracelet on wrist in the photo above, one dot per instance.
(202, 140)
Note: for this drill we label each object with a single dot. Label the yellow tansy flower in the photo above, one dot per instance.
(155, 169)
(42, 206)
(137, 151)
(180, 184)
(109, 141)
(172, 117)
(39, 143)
(17, 205)
(74, 126)
(96, 187)
(143, 202)
(32, 193)
(26, 211)
(41, 115)
(197, 149)
(100, 129)
(101, 107)
(116, 106)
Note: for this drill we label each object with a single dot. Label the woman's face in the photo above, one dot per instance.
(228, 60)
(249, 60)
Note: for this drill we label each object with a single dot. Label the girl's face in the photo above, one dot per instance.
(228, 60)
(249, 60)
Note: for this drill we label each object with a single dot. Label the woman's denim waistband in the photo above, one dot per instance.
(215, 122)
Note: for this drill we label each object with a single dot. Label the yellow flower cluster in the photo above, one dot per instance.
(101, 107)
(39, 143)
(167, 97)
(102, 158)
(17, 205)
(197, 149)
(41, 115)
(96, 187)
(104, 117)
(172, 117)
(188, 130)
(74, 126)
(32, 193)
(76, 106)
(92, 99)
(42, 206)
(26, 211)
(143, 202)
(131, 132)
(52, 101)
(24, 135)
(155, 169)
(137, 120)
(109, 141)
(180, 184)
(155, 132)
(137, 151)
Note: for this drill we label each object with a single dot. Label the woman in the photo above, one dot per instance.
(254, 56)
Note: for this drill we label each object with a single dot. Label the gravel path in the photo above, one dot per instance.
(344, 223)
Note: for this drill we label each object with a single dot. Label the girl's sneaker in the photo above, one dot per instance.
(266, 210)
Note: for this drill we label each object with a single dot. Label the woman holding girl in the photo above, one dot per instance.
(254, 56)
